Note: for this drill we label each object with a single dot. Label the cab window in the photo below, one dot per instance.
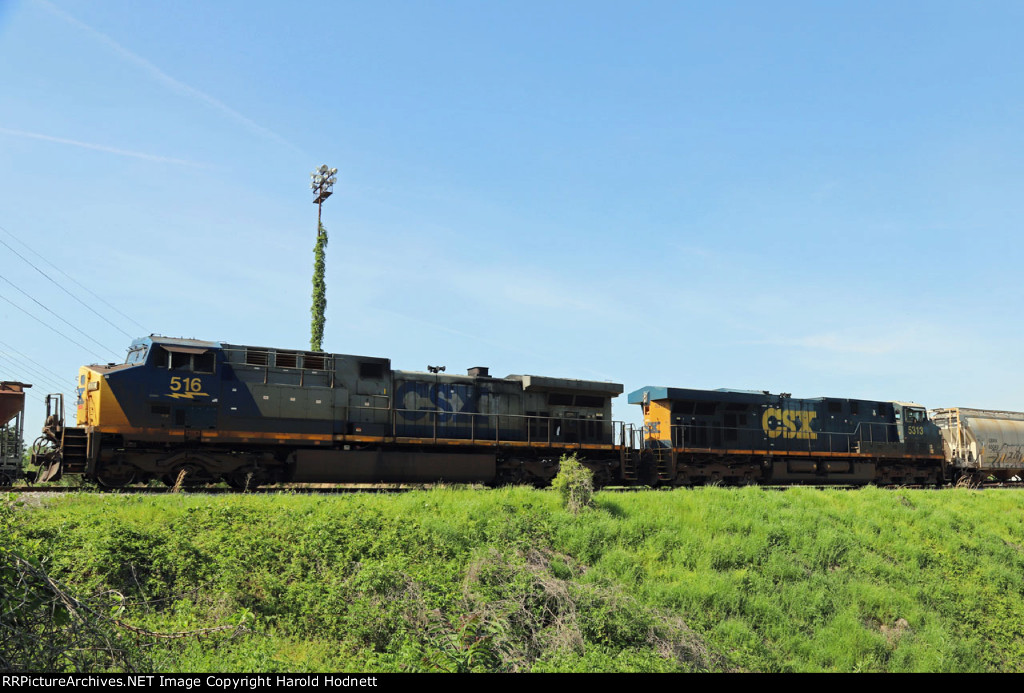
(137, 354)
(186, 361)
(914, 416)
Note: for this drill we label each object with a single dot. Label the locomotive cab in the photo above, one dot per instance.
(916, 433)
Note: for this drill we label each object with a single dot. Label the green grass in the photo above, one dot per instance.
(467, 580)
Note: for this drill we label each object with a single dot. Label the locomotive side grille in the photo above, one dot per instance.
(257, 357)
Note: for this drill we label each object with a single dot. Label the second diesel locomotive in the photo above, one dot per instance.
(739, 436)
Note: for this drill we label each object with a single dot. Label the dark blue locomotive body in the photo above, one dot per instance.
(749, 436)
(215, 410)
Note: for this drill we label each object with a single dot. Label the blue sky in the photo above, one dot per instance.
(821, 198)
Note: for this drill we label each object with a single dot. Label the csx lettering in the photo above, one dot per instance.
(788, 423)
(442, 402)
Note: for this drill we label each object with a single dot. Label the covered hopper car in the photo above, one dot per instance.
(979, 443)
(12, 423)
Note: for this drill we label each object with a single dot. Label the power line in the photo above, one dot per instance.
(30, 360)
(40, 382)
(72, 279)
(51, 327)
(81, 332)
(40, 377)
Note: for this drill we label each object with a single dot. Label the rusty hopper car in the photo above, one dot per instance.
(733, 436)
(12, 425)
(206, 411)
(980, 443)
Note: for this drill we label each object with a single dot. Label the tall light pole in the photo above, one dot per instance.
(322, 183)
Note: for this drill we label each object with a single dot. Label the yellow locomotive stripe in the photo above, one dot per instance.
(801, 453)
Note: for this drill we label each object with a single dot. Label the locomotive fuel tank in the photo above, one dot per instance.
(980, 443)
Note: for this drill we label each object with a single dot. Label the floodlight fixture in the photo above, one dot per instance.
(322, 182)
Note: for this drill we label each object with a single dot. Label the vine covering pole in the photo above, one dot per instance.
(322, 183)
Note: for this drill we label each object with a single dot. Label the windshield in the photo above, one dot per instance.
(915, 416)
(137, 354)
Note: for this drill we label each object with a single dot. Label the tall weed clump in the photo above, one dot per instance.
(575, 483)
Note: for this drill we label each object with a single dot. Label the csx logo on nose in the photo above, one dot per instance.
(788, 423)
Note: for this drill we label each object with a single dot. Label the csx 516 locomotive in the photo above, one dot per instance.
(205, 411)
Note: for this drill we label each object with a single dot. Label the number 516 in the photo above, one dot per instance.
(188, 384)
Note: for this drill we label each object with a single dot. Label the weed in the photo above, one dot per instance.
(575, 483)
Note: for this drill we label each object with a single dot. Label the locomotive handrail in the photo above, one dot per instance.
(552, 429)
(715, 438)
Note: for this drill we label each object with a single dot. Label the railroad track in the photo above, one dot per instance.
(337, 490)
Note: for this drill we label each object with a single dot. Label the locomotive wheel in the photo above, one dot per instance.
(509, 477)
(242, 479)
(115, 475)
(190, 475)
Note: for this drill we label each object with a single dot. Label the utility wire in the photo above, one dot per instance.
(34, 396)
(51, 327)
(39, 378)
(36, 380)
(73, 280)
(30, 360)
(41, 399)
(81, 332)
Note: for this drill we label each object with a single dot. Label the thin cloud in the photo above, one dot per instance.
(889, 340)
(100, 148)
(165, 78)
(835, 342)
(502, 344)
(468, 335)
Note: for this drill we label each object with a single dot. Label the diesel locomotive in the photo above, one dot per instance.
(737, 436)
(207, 411)
(196, 411)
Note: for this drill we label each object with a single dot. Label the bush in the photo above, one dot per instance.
(575, 483)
